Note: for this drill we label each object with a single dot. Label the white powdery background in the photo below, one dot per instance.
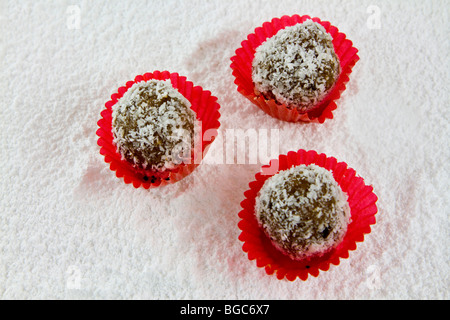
(70, 229)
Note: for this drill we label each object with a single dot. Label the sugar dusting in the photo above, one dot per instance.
(70, 229)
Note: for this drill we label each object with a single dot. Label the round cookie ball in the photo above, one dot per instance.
(303, 211)
(296, 67)
(154, 126)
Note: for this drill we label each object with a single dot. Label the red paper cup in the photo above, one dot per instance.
(361, 199)
(242, 71)
(203, 104)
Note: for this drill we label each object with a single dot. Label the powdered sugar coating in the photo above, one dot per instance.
(303, 210)
(297, 66)
(153, 125)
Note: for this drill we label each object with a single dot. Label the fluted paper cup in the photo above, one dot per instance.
(258, 246)
(242, 70)
(207, 113)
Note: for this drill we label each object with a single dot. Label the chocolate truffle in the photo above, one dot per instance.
(303, 211)
(153, 126)
(297, 66)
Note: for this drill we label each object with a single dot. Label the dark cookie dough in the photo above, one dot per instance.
(303, 211)
(153, 126)
(296, 67)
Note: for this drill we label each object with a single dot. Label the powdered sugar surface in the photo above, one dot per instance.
(70, 229)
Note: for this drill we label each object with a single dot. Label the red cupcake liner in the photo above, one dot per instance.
(207, 113)
(242, 70)
(257, 244)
